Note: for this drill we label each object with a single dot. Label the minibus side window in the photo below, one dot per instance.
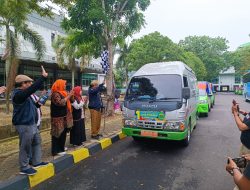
(185, 81)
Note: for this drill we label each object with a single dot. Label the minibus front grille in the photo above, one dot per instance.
(150, 124)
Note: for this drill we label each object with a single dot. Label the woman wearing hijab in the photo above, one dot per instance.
(61, 116)
(77, 133)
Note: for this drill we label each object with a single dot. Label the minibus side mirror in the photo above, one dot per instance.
(186, 93)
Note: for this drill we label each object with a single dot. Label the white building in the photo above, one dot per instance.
(48, 29)
(227, 80)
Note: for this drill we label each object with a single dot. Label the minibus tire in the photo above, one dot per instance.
(206, 114)
(186, 141)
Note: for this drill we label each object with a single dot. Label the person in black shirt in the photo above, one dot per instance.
(244, 127)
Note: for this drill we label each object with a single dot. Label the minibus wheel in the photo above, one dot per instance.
(186, 141)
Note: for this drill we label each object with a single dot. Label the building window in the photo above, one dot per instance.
(87, 78)
(237, 79)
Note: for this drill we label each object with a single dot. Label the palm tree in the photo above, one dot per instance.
(122, 63)
(13, 15)
(65, 48)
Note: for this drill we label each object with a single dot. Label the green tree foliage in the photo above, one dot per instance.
(155, 47)
(105, 23)
(210, 50)
(240, 59)
(196, 64)
(152, 48)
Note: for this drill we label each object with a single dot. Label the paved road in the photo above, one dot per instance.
(163, 165)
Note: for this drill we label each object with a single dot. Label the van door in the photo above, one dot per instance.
(193, 99)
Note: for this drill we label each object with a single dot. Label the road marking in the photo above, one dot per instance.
(80, 154)
(42, 174)
(105, 142)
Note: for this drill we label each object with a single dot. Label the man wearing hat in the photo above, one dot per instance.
(24, 119)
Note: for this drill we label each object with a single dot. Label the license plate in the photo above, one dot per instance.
(149, 134)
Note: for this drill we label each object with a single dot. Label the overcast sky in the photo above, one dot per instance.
(180, 18)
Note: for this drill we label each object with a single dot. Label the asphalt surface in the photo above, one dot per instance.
(162, 165)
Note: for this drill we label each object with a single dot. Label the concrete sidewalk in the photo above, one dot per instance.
(9, 150)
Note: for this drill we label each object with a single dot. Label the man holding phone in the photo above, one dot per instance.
(25, 121)
(244, 127)
(241, 180)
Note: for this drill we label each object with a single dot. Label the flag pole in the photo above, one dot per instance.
(105, 66)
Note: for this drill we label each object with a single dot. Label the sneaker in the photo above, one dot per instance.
(29, 171)
(40, 165)
(100, 135)
(65, 148)
(61, 153)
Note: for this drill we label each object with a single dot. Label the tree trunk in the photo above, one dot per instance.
(7, 70)
(126, 77)
(10, 81)
(73, 78)
(110, 81)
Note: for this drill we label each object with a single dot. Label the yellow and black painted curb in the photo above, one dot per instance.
(23, 182)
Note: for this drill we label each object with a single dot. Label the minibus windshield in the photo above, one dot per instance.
(155, 87)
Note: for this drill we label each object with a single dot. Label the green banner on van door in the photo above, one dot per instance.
(150, 115)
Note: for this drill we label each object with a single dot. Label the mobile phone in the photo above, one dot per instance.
(235, 103)
(241, 162)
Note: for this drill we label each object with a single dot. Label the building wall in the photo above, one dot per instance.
(48, 29)
(228, 79)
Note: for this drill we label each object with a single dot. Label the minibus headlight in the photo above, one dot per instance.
(176, 126)
(128, 122)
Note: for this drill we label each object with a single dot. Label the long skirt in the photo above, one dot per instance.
(58, 144)
(77, 133)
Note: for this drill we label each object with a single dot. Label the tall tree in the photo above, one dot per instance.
(210, 50)
(196, 64)
(12, 18)
(151, 48)
(240, 59)
(155, 47)
(106, 22)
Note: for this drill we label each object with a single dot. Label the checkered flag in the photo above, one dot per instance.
(105, 61)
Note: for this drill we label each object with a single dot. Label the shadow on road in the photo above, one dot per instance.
(159, 145)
